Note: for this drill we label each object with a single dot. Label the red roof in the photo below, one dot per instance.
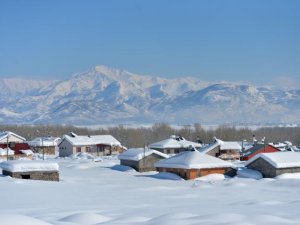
(17, 147)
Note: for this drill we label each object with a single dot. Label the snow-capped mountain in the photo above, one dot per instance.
(106, 95)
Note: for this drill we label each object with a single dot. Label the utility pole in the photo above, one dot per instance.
(7, 145)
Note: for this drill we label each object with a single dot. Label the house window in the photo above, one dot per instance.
(88, 149)
(78, 149)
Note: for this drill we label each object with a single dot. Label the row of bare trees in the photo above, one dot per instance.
(141, 136)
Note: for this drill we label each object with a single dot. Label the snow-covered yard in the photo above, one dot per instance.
(102, 192)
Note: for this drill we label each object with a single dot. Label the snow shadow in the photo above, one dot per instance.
(162, 176)
(122, 168)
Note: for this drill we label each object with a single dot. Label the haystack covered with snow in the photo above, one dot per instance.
(141, 159)
(192, 164)
(174, 144)
(274, 164)
(226, 150)
(35, 170)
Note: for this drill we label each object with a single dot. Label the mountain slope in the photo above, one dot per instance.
(106, 95)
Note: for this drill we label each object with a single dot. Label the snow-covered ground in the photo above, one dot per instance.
(104, 192)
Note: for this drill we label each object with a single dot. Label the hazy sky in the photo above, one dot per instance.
(254, 40)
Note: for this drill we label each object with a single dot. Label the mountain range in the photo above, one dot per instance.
(104, 95)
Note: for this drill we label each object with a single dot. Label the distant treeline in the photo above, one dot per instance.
(141, 136)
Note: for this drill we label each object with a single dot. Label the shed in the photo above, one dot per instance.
(174, 145)
(33, 170)
(141, 159)
(256, 149)
(276, 163)
(193, 164)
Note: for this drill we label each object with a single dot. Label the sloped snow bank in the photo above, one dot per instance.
(13, 219)
(85, 218)
(167, 176)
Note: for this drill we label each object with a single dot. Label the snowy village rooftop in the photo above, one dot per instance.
(92, 139)
(28, 166)
(5, 134)
(224, 145)
(279, 159)
(136, 154)
(193, 160)
(175, 142)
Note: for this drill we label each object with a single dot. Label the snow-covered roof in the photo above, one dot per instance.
(174, 142)
(224, 145)
(192, 160)
(44, 141)
(28, 166)
(92, 140)
(137, 154)
(279, 159)
(4, 134)
(4, 151)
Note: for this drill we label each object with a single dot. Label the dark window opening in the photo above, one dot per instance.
(27, 176)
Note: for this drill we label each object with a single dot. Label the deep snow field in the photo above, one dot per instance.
(91, 193)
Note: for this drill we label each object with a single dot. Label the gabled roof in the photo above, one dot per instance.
(279, 159)
(224, 145)
(4, 134)
(92, 140)
(256, 148)
(137, 154)
(192, 160)
(174, 142)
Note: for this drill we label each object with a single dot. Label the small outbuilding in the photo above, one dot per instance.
(193, 164)
(274, 164)
(141, 159)
(33, 170)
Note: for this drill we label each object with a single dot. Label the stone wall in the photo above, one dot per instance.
(34, 175)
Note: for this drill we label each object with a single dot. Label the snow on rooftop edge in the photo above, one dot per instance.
(28, 166)
(279, 159)
(193, 160)
(137, 154)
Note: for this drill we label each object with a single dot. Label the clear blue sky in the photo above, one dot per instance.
(254, 40)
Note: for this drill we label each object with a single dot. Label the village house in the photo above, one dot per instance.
(226, 150)
(274, 164)
(33, 170)
(98, 145)
(256, 149)
(193, 164)
(45, 145)
(10, 137)
(141, 159)
(174, 144)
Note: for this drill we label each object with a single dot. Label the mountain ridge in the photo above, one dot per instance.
(104, 95)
